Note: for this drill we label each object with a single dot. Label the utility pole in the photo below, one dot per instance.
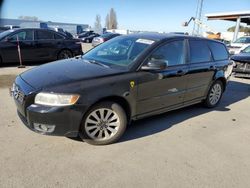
(198, 14)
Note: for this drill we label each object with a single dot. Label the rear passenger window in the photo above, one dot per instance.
(199, 51)
(218, 50)
(41, 35)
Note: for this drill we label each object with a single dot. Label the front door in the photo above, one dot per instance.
(163, 89)
(9, 46)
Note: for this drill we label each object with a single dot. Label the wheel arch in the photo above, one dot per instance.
(224, 82)
(119, 100)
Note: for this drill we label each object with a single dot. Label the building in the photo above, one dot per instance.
(70, 27)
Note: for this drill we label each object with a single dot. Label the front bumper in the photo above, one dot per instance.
(65, 120)
(242, 70)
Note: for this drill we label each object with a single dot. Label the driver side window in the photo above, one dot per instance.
(173, 53)
(22, 36)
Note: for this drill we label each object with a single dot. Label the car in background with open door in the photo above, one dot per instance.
(37, 45)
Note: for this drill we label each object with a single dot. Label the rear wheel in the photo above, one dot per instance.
(64, 54)
(104, 124)
(214, 94)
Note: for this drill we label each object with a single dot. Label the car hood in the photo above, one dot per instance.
(242, 57)
(64, 72)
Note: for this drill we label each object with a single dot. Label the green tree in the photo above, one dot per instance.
(242, 29)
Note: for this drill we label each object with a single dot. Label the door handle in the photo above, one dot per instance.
(181, 72)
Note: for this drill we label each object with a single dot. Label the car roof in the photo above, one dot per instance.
(165, 36)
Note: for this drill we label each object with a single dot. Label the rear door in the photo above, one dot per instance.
(201, 70)
(45, 44)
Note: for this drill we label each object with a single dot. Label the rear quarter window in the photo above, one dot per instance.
(199, 51)
(219, 51)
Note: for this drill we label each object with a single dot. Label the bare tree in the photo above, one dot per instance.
(32, 18)
(111, 20)
(98, 25)
(107, 21)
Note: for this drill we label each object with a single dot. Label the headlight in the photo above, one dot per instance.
(52, 99)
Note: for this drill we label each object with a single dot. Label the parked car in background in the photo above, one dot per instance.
(12, 26)
(127, 78)
(238, 45)
(90, 38)
(103, 38)
(242, 63)
(37, 45)
(84, 34)
(2, 29)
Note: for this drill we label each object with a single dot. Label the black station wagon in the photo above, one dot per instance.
(127, 78)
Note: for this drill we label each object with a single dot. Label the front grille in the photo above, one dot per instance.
(240, 65)
(248, 66)
(18, 93)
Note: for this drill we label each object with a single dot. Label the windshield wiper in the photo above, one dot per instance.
(96, 62)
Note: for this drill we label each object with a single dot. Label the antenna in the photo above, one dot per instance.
(198, 14)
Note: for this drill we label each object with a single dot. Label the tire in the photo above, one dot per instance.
(64, 54)
(103, 124)
(214, 94)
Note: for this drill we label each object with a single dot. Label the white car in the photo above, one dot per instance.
(240, 44)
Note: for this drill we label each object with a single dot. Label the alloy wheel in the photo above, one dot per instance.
(215, 94)
(102, 124)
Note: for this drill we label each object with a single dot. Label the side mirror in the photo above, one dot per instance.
(155, 65)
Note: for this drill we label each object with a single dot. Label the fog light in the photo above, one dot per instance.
(44, 127)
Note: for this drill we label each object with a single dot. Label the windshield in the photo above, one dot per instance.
(246, 50)
(5, 33)
(120, 51)
(243, 40)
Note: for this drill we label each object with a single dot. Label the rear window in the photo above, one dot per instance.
(199, 51)
(218, 50)
(44, 35)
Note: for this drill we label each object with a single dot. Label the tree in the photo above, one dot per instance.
(98, 25)
(32, 18)
(111, 20)
(107, 21)
(242, 29)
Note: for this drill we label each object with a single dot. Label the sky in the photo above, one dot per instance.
(146, 15)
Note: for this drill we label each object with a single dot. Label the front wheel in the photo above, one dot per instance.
(104, 124)
(214, 94)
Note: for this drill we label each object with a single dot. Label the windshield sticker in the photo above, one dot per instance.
(145, 41)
